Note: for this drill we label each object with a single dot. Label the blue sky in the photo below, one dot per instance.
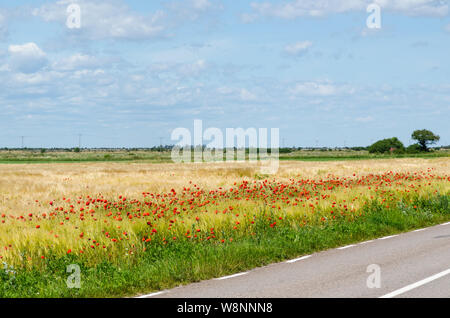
(137, 70)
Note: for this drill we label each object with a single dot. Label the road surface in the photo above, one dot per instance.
(414, 264)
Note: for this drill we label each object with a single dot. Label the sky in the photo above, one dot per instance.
(134, 71)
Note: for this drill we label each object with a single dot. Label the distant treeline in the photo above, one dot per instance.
(170, 147)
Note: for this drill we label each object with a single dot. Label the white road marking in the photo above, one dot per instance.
(448, 223)
(344, 247)
(419, 230)
(298, 259)
(231, 276)
(366, 242)
(415, 285)
(387, 237)
(151, 295)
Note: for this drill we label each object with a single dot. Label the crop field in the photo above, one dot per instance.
(26, 156)
(140, 227)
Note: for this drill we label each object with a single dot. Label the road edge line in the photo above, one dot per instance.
(417, 284)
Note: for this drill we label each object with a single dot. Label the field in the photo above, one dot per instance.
(136, 227)
(26, 156)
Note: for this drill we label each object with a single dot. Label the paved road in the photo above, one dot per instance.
(414, 264)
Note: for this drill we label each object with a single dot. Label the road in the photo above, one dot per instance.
(414, 264)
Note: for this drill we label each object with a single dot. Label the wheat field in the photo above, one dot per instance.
(162, 224)
(21, 185)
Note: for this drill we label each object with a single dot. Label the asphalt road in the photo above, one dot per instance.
(414, 264)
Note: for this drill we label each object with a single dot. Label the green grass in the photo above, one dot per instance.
(162, 267)
(33, 156)
(335, 156)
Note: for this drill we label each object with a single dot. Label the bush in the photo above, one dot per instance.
(415, 148)
(392, 145)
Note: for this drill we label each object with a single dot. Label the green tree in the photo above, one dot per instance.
(425, 138)
(414, 148)
(387, 145)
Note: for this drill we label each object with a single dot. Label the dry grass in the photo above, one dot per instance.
(21, 185)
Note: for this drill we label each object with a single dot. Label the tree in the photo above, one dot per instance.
(414, 148)
(387, 145)
(425, 138)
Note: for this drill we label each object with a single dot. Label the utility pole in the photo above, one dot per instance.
(22, 137)
(79, 140)
(160, 144)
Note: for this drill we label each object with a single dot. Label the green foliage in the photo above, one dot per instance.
(425, 138)
(76, 149)
(387, 145)
(285, 150)
(415, 148)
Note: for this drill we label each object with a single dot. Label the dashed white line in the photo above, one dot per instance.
(415, 285)
(231, 276)
(298, 259)
(393, 294)
(151, 295)
(344, 247)
(388, 237)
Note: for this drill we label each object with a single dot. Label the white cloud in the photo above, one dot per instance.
(193, 9)
(201, 4)
(178, 70)
(324, 88)
(27, 58)
(364, 119)
(193, 69)
(247, 95)
(225, 90)
(317, 8)
(36, 78)
(297, 49)
(106, 20)
(80, 62)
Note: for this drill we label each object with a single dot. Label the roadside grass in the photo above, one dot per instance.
(182, 262)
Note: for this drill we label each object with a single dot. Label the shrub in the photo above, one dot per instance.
(415, 148)
(387, 145)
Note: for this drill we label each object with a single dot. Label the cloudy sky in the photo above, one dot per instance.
(136, 70)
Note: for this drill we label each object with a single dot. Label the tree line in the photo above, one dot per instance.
(424, 139)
